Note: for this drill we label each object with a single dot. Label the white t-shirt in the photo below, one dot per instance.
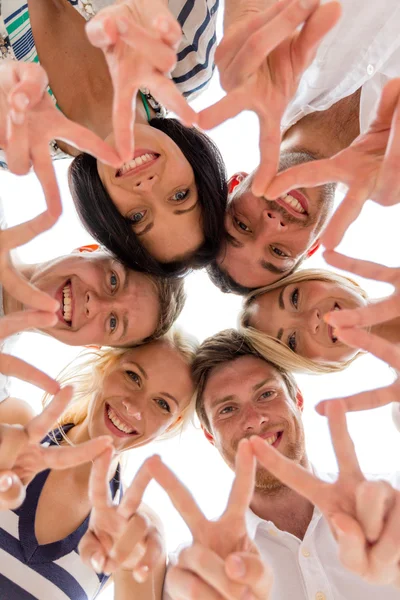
(362, 50)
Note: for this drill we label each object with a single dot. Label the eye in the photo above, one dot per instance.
(227, 410)
(279, 252)
(113, 323)
(137, 216)
(294, 297)
(267, 395)
(242, 225)
(292, 343)
(134, 376)
(163, 404)
(180, 195)
(113, 281)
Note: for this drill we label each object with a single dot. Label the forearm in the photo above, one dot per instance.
(236, 10)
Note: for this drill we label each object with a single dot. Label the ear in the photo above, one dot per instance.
(92, 347)
(87, 248)
(234, 181)
(178, 420)
(208, 435)
(314, 248)
(299, 400)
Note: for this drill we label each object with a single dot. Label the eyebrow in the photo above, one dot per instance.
(145, 230)
(272, 268)
(280, 300)
(222, 400)
(171, 398)
(262, 383)
(125, 323)
(233, 241)
(181, 211)
(142, 371)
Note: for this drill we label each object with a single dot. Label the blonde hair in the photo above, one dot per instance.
(88, 370)
(283, 355)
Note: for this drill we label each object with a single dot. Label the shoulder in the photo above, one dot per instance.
(16, 412)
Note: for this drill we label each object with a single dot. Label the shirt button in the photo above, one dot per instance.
(320, 596)
(370, 69)
(305, 552)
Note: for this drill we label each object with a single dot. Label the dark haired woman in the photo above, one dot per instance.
(163, 211)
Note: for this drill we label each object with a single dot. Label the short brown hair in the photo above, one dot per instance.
(172, 296)
(222, 348)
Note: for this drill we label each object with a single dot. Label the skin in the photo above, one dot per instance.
(266, 239)
(105, 297)
(295, 314)
(159, 198)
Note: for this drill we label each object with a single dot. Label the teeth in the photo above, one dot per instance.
(118, 424)
(272, 439)
(136, 162)
(288, 199)
(67, 303)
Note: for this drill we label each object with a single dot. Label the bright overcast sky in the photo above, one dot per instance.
(374, 237)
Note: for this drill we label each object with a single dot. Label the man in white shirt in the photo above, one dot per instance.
(334, 103)
(240, 395)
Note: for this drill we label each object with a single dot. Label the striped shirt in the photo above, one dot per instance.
(55, 571)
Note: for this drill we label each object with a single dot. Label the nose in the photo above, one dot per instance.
(146, 184)
(95, 304)
(254, 419)
(314, 320)
(132, 410)
(273, 220)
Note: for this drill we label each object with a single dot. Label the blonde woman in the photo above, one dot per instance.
(287, 319)
(133, 395)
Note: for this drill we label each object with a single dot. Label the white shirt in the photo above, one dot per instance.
(362, 50)
(310, 569)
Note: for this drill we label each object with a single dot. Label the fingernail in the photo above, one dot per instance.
(97, 28)
(6, 482)
(141, 574)
(98, 563)
(21, 101)
(122, 25)
(320, 408)
(162, 24)
(237, 566)
(307, 3)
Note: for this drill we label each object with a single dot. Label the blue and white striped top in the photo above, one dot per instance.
(29, 571)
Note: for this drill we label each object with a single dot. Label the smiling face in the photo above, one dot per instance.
(101, 301)
(157, 192)
(294, 314)
(143, 393)
(246, 397)
(266, 238)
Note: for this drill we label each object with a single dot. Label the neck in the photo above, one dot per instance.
(388, 330)
(325, 133)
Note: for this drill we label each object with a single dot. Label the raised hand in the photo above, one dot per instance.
(139, 40)
(350, 326)
(369, 167)
(22, 457)
(29, 121)
(222, 561)
(261, 62)
(120, 536)
(363, 516)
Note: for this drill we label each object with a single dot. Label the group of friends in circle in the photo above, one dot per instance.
(92, 80)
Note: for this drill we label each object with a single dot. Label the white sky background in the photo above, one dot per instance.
(373, 237)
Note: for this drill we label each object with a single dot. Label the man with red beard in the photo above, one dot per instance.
(241, 394)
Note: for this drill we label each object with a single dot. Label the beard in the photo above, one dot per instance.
(267, 482)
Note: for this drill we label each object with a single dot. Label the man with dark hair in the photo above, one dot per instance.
(241, 394)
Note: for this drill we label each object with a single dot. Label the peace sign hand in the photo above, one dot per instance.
(261, 62)
(22, 457)
(358, 512)
(350, 324)
(32, 123)
(139, 41)
(213, 566)
(369, 167)
(120, 537)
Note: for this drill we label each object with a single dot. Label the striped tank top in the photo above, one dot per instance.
(29, 571)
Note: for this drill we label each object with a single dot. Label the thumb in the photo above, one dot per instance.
(249, 569)
(12, 491)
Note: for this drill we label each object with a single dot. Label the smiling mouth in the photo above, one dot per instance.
(295, 203)
(140, 162)
(273, 439)
(64, 295)
(116, 425)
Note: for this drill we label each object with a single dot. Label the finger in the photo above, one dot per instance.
(21, 234)
(17, 147)
(25, 319)
(386, 552)
(130, 548)
(179, 495)
(347, 212)
(68, 457)
(12, 492)
(210, 568)
(228, 107)
(92, 552)
(155, 52)
(184, 585)
(378, 312)
(134, 495)
(43, 423)
(309, 174)
(99, 490)
(44, 170)
(15, 367)
(341, 440)
(152, 557)
(286, 470)
(243, 484)
(374, 501)
(32, 85)
(12, 440)
(352, 544)
(123, 116)
(270, 140)
(363, 268)
(168, 28)
(382, 349)
(250, 570)
(168, 93)
(365, 400)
